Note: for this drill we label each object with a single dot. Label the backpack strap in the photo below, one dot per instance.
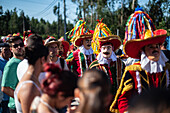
(62, 63)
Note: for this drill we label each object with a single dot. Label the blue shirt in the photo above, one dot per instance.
(2, 65)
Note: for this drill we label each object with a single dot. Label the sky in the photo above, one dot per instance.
(40, 8)
(44, 8)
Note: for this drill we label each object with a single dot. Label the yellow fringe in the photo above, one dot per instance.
(69, 60)
(127, 87)
(115, 111)
(133, 68)
(118, 92)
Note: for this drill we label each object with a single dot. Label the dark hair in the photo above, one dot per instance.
(95, 87)
(34, 39)
(14, 38)
(165, 44)
(33, 53)
(156, 100)
(57, 80)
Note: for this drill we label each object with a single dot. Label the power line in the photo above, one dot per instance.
(47, 8)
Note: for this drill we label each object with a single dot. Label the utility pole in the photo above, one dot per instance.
(58, 19)
(122, 12)
(23, 22)
(65, 26)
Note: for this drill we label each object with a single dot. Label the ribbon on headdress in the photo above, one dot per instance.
(79, 29)
(137, 24)
(101, 30)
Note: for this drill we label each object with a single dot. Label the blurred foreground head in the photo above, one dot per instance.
(153, 101)
(94, 90)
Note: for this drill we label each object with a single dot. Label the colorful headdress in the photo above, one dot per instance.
(102, 34)
(137, 24)
(132, 48)
(79, 33)
(140, 31)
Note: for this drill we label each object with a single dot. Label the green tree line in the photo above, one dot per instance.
(114, 12)
(12, 22)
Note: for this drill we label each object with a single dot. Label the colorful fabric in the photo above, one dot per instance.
(137, 24)
(133, 47)
(102, 34)
(111, 71)
(78, 62)
(79, 32)
(134, 81)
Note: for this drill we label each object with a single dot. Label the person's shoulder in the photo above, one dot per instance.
(14, 61)
(134, 67)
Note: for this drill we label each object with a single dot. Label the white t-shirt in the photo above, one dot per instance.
(22, 68)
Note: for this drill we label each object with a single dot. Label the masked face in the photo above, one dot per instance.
(106, 50)
(152, 51)
(87, 43)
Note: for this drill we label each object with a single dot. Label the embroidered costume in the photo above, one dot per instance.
(78, 61)
(145, 74)
(111, 65)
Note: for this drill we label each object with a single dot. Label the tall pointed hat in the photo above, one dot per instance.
(140, 31)
(102, 34)
(79, 33)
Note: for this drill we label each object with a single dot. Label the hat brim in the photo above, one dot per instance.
(78, 39)
(52, 42)
(114, 39)
(133, 47)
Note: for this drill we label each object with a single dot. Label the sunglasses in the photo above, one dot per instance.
(20, 44)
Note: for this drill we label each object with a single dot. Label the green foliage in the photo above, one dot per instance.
(114, 12)
(11, 22)
(115, 18)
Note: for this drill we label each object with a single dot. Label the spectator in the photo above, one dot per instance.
(152, 101)
(94, 92)
(33, 39)
(53, 46)
(28, 87)
(5, 54)
(9, 79)
(58, 90)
